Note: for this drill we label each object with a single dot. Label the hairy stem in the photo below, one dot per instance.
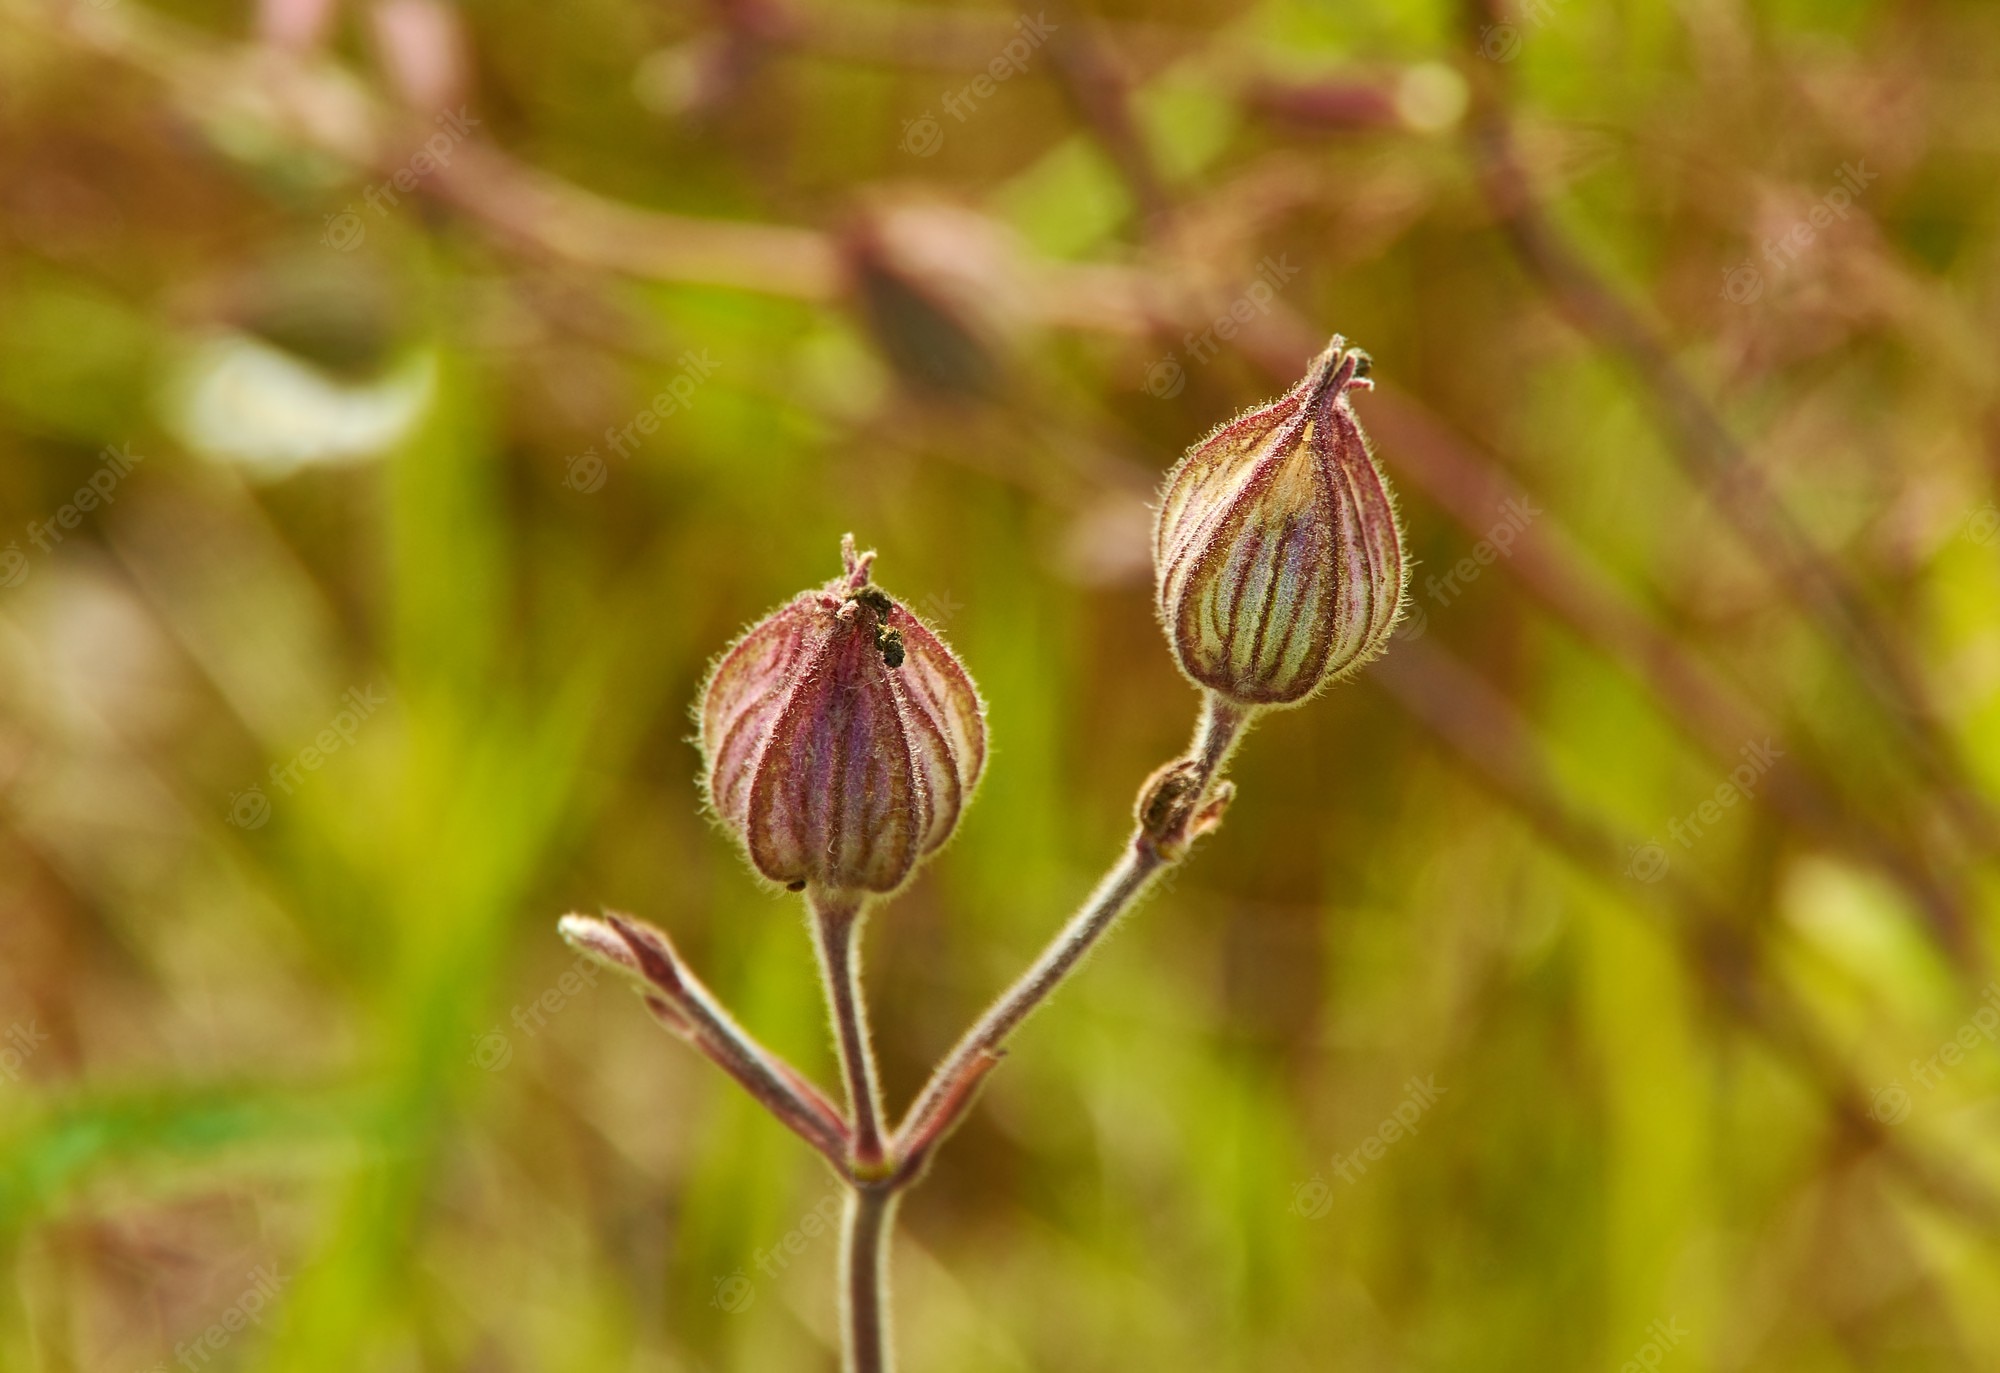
(876, 1175)
(677, 998)
(864, 1280)
(1217, 733)
(836, 924)
(871, 1199)
(948, 1093)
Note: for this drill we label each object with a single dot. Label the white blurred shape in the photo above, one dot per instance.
(240, 400)
(1431, 97)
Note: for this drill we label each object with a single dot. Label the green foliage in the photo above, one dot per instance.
(266, 1001)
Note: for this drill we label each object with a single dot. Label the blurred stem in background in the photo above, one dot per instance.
(489, 792)
(1715, 461)
(878, 1171)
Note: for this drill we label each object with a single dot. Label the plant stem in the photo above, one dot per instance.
(871, 1197)
(836, 923)
(944, 1097)
(877, 1176)
(677, 998)
(864, 1279)
(1217, 732)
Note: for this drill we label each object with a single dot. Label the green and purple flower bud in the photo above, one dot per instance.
(842, 738)
(1278, 562)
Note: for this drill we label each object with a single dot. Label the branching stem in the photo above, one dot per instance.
(1178, 804)
(948, 1094)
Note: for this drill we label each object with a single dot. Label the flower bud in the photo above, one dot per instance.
(1278, 564)
(842, 738)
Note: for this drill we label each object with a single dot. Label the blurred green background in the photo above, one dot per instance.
(400, 402)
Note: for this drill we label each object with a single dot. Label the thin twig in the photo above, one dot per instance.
(1486, 734)
(1715, 460)
(680, 1002)
(836, 923)
(1097, 89)
(871, 1199)
(950, 1091)
(876, 1181)
(1555, 569)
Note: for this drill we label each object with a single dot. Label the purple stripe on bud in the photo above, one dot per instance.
(1278, 562)
(842, 738)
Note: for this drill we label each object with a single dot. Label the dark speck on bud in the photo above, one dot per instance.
(876, 600)
(842, 738)
(1278, 562)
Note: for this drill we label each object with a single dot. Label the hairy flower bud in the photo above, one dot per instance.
(1278, 564)
(842, 737)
